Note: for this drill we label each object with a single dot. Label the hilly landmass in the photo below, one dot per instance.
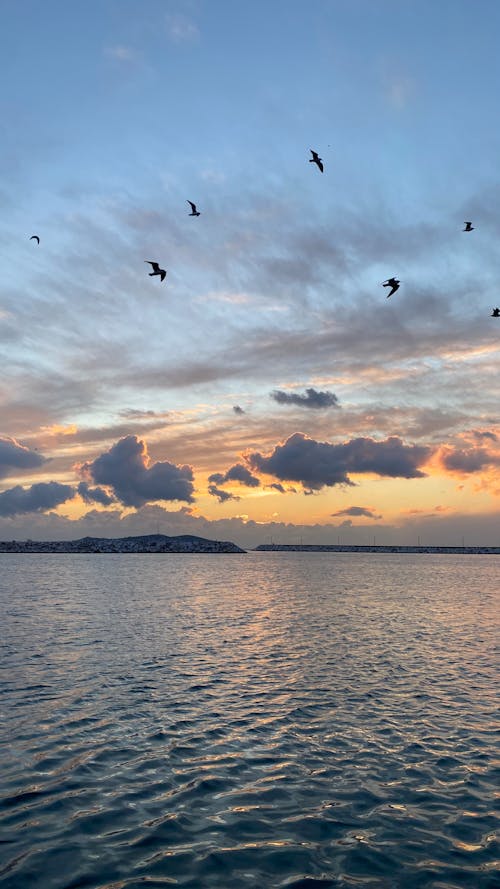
(147, 543)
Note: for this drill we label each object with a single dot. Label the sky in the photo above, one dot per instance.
(267, 389)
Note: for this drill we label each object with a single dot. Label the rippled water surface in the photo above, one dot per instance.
(259, 720)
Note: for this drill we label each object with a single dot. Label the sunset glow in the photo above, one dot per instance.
(268, 375)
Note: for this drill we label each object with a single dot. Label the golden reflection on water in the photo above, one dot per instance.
(344, 705)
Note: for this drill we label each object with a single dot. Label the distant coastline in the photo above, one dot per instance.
(354, 548)
(188, 543)
(147, 543)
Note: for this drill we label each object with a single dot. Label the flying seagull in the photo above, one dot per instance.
(495, 313)
(156, 269)
(468, 227)
(315, 159)
(37, 239)
(194, 211)
(391, 282)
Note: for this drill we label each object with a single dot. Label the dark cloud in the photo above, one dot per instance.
(480, 435)
(221, 495)
(312, 399)
(237, 409)
(131, 413)
(237, 473)
(94, 495)
(357, 511)
(14, 456)
(125, 468)
(468, 460)
(39, 497)
(317, 464)
(217, 478)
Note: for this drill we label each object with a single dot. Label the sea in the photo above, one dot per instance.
(254, 721)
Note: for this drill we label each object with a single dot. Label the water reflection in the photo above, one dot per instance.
(255, 720)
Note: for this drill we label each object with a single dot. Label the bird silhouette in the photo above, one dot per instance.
(468, 227)
(391, 282)
(315, 159)
(495, 313)
(156, 269)
(36, 238)
(194, 211)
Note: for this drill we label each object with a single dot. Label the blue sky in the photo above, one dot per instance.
(115, 113)
(404, 93)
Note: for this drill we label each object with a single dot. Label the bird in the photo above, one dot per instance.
(391, 282)
(468, 227)
(315, 159)
(156, 269)
(36, 238)
(495, 313)
(194, 211)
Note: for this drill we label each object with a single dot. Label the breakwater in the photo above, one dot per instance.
(354, 548)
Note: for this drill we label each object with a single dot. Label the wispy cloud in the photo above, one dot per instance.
(121, 53)
(181, 28)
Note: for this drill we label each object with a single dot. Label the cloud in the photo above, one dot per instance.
(94, 495)
(126, 469)
(317, 464)
(131, 413)
(221, 495)
(180, 28)
(312, 399)
(480, 529)
(396, 343)
(399, 90)
(39, 497)
(237, 473)
(480, 435)
(14, 456)
(468, 460)
(357, 511)
(121, 53)
(237, 409)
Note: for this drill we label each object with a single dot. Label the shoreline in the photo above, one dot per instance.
(148, 543)
(158, 543)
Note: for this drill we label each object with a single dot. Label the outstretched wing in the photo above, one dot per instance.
(162, 274)
(156, 267)
(193, 206)
(36, 238)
